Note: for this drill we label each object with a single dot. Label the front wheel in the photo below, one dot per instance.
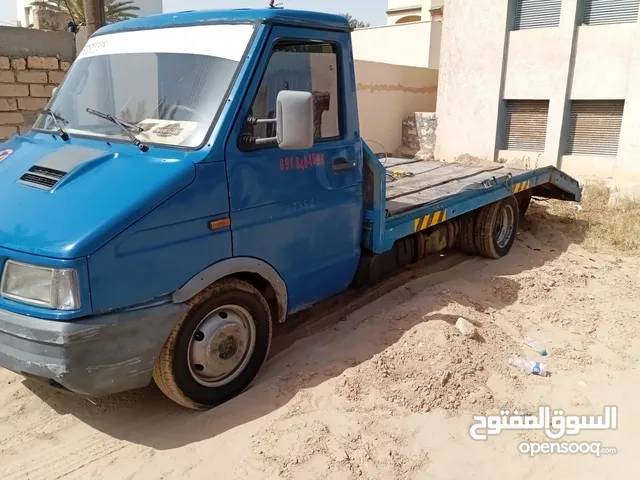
(218, 348)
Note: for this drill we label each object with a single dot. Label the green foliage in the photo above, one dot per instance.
(355, 23)
(114, 10)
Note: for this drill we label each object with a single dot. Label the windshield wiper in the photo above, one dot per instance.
(126, 127)
(57, 119)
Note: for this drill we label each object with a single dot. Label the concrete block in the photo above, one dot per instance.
(41, 90)
(56, 77)
(14, 90)
(7, 76)
(43, 63)
(32, 103)
(18, 64)
(8, 104)
(11, 118)
(50, 20)
(32, 77)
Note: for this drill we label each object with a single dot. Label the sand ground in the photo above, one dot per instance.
(379, 384)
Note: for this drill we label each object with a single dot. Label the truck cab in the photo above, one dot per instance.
(195, 179)
(107, 243)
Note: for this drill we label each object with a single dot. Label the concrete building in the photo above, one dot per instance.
(397, 72)
(407, 11)
(549, 82)
(25, 11)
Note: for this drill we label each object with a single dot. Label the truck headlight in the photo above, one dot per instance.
(42, 286)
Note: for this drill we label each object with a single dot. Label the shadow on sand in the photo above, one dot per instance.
(147, 418)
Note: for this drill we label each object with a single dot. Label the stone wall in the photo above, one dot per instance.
(32, 63)
(419, 136)
(26, 84)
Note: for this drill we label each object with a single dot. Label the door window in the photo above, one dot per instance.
(308, 67)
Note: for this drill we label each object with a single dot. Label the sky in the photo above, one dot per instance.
(371, 11)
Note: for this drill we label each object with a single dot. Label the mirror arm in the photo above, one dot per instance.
(265, 141)
(258, 121)
(250, 141)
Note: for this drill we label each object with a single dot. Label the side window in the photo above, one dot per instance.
(301, 66)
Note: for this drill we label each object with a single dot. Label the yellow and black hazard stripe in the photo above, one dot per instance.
(430, 220)
(522, 186)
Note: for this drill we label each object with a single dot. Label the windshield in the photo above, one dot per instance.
(168, 82)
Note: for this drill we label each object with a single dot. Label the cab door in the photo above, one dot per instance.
(300, 211)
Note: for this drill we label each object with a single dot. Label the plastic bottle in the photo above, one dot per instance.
(530, 366)
(535, 346)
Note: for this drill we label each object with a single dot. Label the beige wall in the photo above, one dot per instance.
(606, 48)
(396, 73)
(628, 157)
(483, 62)
(531, 73)
(387, 95)
(411, 44)
(470, 76)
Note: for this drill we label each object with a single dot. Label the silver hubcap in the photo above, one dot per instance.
(504, 226)
(221, 346)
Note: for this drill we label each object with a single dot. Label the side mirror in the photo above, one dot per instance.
(295, 120)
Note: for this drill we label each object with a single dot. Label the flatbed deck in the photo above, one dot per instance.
(404, 196)
(420, 182)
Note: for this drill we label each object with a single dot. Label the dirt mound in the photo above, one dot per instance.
(385, 390)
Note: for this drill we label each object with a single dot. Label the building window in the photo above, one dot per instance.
(537, 14)
(308, 67)
(594, 128)
(526, 125)
(602, 12)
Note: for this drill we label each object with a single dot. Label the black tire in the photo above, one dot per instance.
(173, 371)
(492, 241)
(525, 200)
(467, 234)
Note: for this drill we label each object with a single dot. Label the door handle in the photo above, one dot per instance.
(342, 165)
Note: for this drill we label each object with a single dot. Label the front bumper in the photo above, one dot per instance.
(94, 356)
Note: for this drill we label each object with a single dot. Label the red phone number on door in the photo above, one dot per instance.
(302, 163)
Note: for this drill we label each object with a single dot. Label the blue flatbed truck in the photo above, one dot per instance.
(200, 176)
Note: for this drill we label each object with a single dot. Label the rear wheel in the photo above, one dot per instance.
(496, 227)
(218, 348)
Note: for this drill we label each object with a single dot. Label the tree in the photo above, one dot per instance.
(114, 10)
(355, 23)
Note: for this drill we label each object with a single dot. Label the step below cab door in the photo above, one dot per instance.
(300, 210)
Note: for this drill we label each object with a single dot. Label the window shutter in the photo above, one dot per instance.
(537, 14)
(526, 125)
(595, 127)
(602, 12)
